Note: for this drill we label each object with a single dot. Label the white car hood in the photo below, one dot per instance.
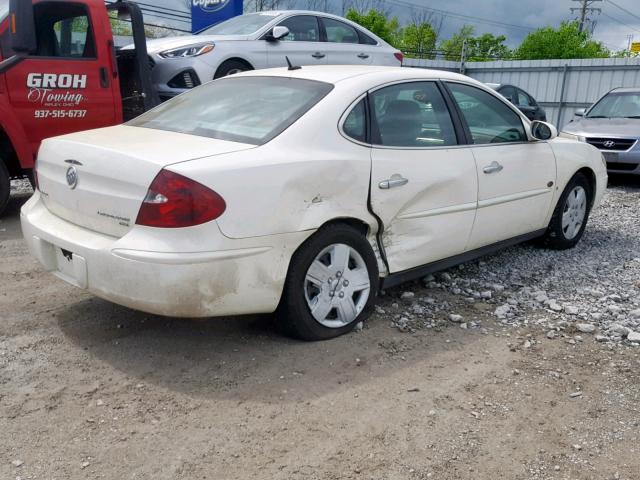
(161, 44)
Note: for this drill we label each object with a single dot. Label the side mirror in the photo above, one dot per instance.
(22, 27)
(278, 33)
(580, 112)
(543, 130)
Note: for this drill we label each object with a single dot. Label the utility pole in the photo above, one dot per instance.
(585, 9)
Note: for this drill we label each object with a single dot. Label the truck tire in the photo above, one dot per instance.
(5, 187)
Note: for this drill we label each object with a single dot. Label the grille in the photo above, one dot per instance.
(612, 144)
(622, 166)
(186, 79)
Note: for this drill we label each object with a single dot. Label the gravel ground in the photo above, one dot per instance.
(591, 289)
(522, 366)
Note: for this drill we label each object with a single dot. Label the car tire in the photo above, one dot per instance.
(317, 308)
(570, 216)
(5, 187)
(231, 67)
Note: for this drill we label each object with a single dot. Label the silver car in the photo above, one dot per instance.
(612, 125)
(263, 40)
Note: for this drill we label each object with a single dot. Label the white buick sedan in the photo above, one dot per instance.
(303, 191)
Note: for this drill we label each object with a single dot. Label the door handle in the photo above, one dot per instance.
(495, 167)
(363, 56)
(395, 181)
(104, 77)
(318, 55)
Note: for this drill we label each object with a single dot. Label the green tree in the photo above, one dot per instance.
(567, 41)
(452, 47)
(418, 40)
(377, 22)
(485, 47)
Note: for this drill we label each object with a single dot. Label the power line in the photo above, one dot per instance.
(624, 10)
(620, 22)
(446, 13)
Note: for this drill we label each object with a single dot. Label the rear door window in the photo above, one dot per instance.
(524, 100)
(509, 93)
(412, 114)
(355, 125)
(340, 32)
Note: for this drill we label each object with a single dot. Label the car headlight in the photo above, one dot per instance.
(188, 51)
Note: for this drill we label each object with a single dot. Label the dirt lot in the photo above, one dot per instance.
(92, 390)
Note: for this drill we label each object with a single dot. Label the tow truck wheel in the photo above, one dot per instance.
(5, 186)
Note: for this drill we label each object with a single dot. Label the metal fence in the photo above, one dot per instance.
(560, 86)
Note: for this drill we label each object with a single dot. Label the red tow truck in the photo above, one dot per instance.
(60, 72)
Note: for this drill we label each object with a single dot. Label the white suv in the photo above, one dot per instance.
(263, 40)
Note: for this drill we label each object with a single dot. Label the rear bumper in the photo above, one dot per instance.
(231, 277)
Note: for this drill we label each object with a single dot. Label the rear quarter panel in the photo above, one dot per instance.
(283, 189)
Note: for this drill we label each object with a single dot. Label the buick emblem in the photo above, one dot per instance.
(72, 177)
(609, 144)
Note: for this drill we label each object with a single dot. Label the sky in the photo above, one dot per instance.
(613, 25)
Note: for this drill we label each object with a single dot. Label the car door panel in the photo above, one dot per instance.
(515, 176)
(431, 217)
(515, 200)
(299, 53)
(65, 85)
(428, 214)
(303, 45)
(343, 44)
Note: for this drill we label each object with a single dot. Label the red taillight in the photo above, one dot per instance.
(175, 201)
(399, 56)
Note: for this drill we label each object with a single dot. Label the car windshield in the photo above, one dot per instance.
(4, 9)
(250, 110)
(241, 25)
(617, 105)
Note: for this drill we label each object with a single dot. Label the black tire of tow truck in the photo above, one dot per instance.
(5, 187)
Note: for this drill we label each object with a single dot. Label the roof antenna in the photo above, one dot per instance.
(291, 66)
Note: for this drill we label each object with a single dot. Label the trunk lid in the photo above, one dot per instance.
(114, 167)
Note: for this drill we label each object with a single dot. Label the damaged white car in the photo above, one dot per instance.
(303, 191)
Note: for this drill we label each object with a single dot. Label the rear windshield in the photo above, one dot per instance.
(241, 25)
(250, 110)
(617, 105)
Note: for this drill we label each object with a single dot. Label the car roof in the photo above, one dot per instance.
(337, 73)
(626, 90)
